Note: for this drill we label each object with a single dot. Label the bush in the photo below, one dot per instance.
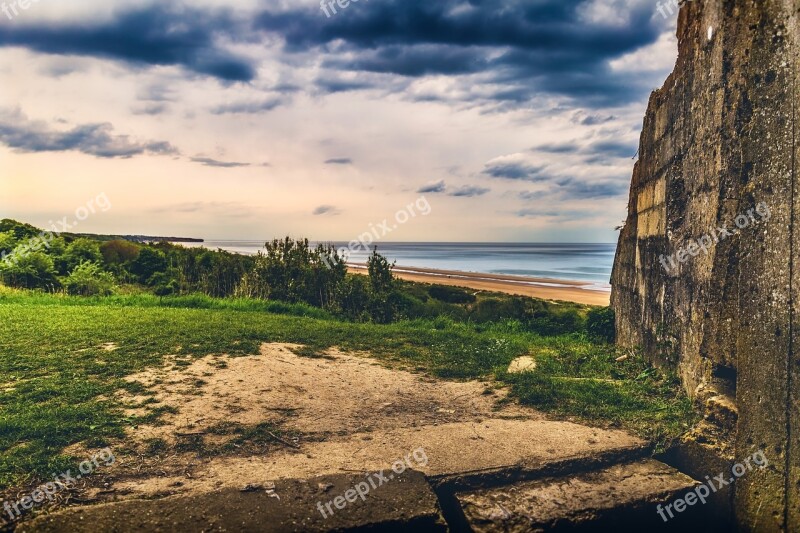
(353, 297)
(80, 251)
(556, 322)
(291, 271)
(7, 242)
(149, 262)
(451, 295)
(89, 279)
(118, 252)
(600, 324)
(29, 270)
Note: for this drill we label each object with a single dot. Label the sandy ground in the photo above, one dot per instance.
(549, 289)
(334, 414)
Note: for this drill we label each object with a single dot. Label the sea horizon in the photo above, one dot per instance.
(583, 262)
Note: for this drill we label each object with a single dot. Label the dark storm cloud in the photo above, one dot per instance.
(439, 186)
(469, 192)
(157, 34)
(208, 162)
(514, 49)
(23, 135)
(527, 47)
(339, 161)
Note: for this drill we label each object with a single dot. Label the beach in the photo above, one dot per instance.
(550, 289)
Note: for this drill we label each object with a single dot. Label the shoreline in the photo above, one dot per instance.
(582, 292)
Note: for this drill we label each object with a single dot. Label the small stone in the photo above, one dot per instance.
(525, 363)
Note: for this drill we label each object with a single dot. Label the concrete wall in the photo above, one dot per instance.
(720, 138)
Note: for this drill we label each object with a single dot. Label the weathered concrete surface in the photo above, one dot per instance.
(451, 451)
(404, 503)
(718, 139)
(608, 497)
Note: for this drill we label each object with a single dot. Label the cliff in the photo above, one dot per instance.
(705, 278)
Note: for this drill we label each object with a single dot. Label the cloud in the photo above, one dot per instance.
(469, 191)
(27, 136)
(208, 162)
(339, 161)
(325, 210)
(215, 209)
(580, 117)
(574, 189)
(515, 50)
(557, 148)
(515, 171)
(256, 107)
(154, 35)
(154, 108)
(439, 186)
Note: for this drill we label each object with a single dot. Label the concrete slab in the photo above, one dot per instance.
(456, 452)
(605, 497)
(402, 503)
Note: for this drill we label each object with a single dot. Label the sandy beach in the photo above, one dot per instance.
(583, 292)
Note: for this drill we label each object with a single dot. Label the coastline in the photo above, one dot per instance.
(582, 292)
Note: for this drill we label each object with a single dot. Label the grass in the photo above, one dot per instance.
(57, 380)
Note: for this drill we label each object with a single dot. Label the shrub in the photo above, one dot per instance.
(149, 262)
(353, 297)
(451, 295)
(80, 251)
(600, 324)
(493, 309)
(7, 242)
(118, 252)
(29, 270)
(556, 322)
(291, 271)
(89, 279)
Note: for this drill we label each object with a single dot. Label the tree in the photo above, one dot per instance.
(382, 304)
(80, 251)
(118, 252)
(7, 242)
(89, 279)
(29, 270)
(149, 262)
(290, 271)
(380, 272)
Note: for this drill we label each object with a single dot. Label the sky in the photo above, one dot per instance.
(515, 120)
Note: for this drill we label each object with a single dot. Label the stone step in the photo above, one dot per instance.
(403, 502)
(623, 497)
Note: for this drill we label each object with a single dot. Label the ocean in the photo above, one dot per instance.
(565, 261)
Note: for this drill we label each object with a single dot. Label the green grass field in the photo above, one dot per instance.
(56, 379)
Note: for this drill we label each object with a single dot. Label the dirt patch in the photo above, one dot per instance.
(222, 413)
(337, 394)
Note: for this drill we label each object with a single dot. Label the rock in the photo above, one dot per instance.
(584, 501)
(522, 364)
